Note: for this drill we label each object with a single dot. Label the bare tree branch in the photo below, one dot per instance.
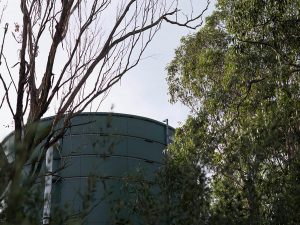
(76, 50)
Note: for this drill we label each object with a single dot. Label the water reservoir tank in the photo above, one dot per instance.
(100, 152)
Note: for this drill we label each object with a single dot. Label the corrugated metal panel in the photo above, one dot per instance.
(107, 148)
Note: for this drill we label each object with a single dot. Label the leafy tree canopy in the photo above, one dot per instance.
(239, 74)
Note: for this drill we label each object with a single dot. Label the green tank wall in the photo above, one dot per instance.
(101, 151)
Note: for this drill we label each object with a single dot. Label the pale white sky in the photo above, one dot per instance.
(143, 91)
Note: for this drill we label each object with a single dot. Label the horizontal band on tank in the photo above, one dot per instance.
(116, 135)
(57, 178)
(107, 156)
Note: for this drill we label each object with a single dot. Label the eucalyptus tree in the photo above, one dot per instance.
(239, 75)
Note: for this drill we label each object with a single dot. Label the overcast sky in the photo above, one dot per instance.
(143, 91)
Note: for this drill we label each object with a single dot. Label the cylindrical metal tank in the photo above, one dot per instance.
(100, 152)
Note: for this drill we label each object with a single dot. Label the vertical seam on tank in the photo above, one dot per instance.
(127, 162)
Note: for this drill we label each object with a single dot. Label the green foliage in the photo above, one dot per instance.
(166, 201)
(240, 76)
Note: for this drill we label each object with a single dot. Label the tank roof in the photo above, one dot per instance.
(104, 114)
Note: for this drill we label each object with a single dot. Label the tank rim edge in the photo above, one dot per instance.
(101, 113)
